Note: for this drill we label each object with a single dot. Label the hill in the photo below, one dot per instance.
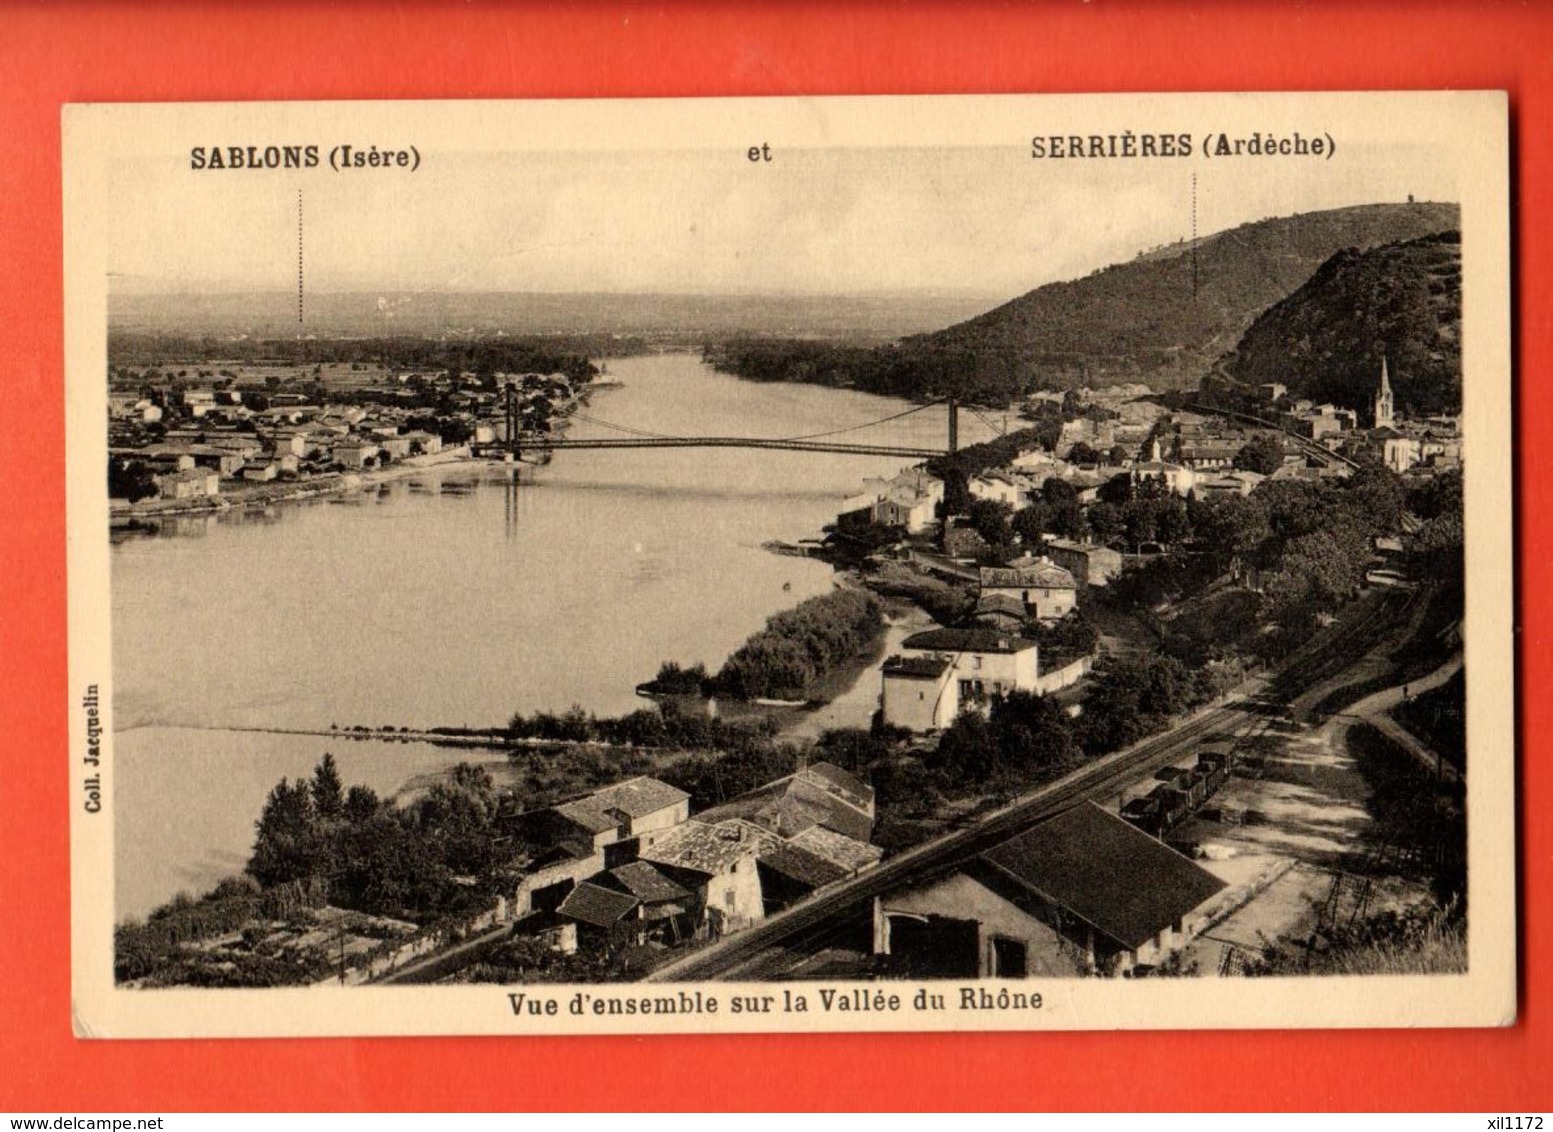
(872, 318)
(1325, 341)
(1136, 321)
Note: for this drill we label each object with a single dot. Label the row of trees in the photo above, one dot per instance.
(378, 858)
(801, 645)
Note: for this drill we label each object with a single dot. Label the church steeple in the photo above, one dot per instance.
(1384, 408)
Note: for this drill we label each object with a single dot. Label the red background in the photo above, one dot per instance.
(52, 54)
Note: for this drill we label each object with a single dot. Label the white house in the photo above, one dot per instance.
(910, 500)
(983, 662)
(1176, 477)
(919, 692)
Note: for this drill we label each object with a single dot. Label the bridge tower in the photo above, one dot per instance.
(954, 425)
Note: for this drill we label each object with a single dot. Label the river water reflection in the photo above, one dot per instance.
(454, 597)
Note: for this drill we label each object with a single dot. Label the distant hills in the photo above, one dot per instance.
(1162, 318)
(685, 319)
(1326, 340)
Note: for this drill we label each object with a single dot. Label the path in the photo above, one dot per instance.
(1374, 709)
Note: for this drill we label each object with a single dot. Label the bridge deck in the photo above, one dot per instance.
(557, 443)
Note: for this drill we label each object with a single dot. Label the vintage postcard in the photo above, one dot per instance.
(790, 564)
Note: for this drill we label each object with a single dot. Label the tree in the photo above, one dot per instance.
(130, 479)
(288, 846)
(990, 519)
(1083, 453)
(968, 750)
(1058, 492)
(1130, 697)
(361, 804)
(1067, 521)
(1230, 526)
(1106, 522)
(1376, 500)
(1438, 547)
(957, 493)
(327, 791)
(852, 748)
(1029, 523)
(1262, 454)
(1033, 732)
(905, 786)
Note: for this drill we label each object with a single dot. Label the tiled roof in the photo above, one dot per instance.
(802, 865)
(597, 905)
(1000, 603)
(709, 849)
(917, 667)
(834, 780)
(1106, 872)
(848, 852)
(1046, 575)
(967, 640)
(636, 797)
(587, 815)
(645, 882)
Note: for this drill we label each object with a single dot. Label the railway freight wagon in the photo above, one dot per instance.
(1158, 810)
(1175, 806)
(1216, 763)
(1143, 813)
(1186, 781)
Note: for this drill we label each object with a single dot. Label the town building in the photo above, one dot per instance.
(1089, 563)
(1396, 450)
(1079, 893)
(1230, 483)
(353, 454)
(919, 693)
(910, 500)
(189, 483)
(820, 793)
(596, 832)
(1177, 478)
(1047, 591)
(716, 865)
(1002, 613)
(942, 672)
(422, 442)
(1000, 487)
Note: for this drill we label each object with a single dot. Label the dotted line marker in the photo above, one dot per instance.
(299, 257)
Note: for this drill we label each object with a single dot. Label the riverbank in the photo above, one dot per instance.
(244, 495)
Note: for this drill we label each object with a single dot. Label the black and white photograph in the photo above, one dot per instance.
(785, 564)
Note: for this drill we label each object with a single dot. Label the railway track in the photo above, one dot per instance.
(773, 947)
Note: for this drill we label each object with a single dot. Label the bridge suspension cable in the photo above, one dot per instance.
(578, 414)
(627, 429)
(866, 424)
(1001, 430)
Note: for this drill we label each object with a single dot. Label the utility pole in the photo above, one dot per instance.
(512, 423)
(954, 425)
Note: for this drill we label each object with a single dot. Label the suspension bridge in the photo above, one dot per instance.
(626, 436)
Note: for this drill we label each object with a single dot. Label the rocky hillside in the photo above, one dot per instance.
(1326, 340)
(1143, 320)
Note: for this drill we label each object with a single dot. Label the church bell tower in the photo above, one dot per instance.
(1384, 409)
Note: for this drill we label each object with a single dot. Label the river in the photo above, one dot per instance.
(456, 597)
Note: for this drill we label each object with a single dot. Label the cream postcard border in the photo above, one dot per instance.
(1469, 131)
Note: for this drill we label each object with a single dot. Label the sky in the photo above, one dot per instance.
(983, 220)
